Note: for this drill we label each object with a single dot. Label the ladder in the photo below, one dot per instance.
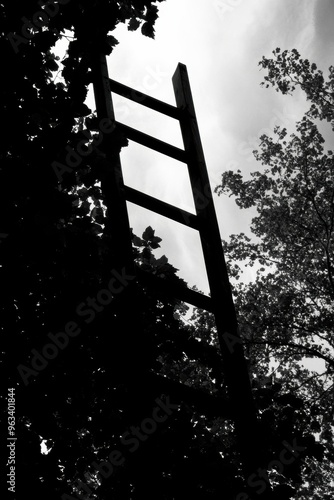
(220, 301)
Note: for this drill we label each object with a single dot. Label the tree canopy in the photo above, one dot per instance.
(127, 402)
(286, 313)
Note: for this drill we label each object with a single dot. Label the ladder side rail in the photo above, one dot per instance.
(234, 362)
(118, 227)
(112, 183)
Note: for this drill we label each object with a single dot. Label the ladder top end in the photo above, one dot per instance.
(181, 68)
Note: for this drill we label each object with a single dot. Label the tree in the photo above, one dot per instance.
(109, 393)
(286, 314)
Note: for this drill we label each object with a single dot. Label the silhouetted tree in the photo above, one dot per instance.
(286, 313)
(85, 382)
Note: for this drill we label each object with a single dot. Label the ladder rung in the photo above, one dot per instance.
(174, 289)
(161, 207)
(144, 99)
(152, 142)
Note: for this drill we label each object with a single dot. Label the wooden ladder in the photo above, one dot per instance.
(220, 301)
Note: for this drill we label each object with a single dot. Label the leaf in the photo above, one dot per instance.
(85, 206)
(138, 242)
(82, 109)
(146, 253)
(112, 41)
(162, 260)
(154, 242)
(51, 64)
(148, 30)
(133, 24)
(97, 214)
(92, 123)
(148, 234)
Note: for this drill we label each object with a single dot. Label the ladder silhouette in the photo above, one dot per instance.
(220, 301)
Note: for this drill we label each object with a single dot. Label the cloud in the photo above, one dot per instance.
(221, 51)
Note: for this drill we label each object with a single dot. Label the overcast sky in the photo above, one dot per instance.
(221, 43)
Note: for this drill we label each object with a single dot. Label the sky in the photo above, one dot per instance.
(221, 43)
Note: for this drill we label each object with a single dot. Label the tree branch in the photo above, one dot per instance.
(309, 350)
